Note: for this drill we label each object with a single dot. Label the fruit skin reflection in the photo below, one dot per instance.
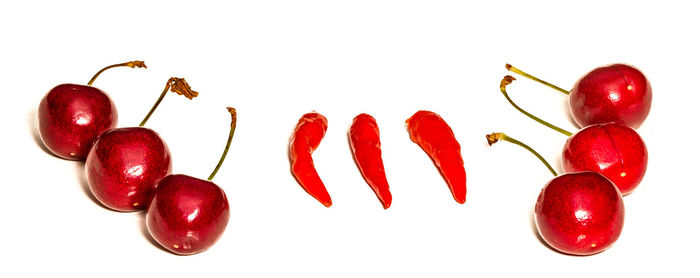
(580, 213)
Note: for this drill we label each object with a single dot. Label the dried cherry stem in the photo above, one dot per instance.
(132, 64)
(498, 136)
(520, 72)
(176, 85)
(509, 79)
(228, 143)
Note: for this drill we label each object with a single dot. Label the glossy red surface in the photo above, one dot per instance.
(187, 215)
(615, 93)
(580, 213)
(614, 150)
(70, 118)
(124, 166)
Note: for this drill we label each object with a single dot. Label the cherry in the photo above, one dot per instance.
(124, 164)
(578, 213)
(614, 93)
(71, 116)
(614, 150)
(188, 215)
(611, 149)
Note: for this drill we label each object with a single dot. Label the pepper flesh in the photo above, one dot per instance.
(305, 139)
(436, 138)
(367, 152)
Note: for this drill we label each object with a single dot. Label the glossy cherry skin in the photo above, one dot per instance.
(615, 93)
(580, 213)
(613, 150)
(124, 166)
(70, 118)
(187, 215)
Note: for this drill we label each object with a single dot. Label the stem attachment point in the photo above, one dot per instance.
(175, 85)
(136, 64)
(494, 137)
(180, 87)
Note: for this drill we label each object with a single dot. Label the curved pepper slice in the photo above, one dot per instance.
(367, 152)
(436, 138)
(305, 139)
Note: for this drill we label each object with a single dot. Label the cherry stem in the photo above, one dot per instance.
(498, 136)
(509, 79)
(132, 64)
(228, 143)
(520, 72)
(176, 85)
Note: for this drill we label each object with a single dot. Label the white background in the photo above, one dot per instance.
(274, 61)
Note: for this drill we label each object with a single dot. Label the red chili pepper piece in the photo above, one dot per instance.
(367, 152)
(306, 138)
(436, 138)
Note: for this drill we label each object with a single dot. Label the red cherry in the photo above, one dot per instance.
(613, 150)
(71, 116)
(576, 213)
(615, 93)
(580, 213)
(124, 166)
(188, 215)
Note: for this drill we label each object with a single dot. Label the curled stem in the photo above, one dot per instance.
(509, 79)
(228, 143)
(497, 136)
(520, 72)
(132, 64)
(176, 85)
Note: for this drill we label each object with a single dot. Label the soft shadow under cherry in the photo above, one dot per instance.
(34, 130)
(146, 234)
(569, 116)
(537, 233)
(80, 174)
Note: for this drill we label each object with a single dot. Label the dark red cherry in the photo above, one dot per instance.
(70, 118)
(124, 166)
(615, 93)
(613, 150)
(187, 215)
(580, 213)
